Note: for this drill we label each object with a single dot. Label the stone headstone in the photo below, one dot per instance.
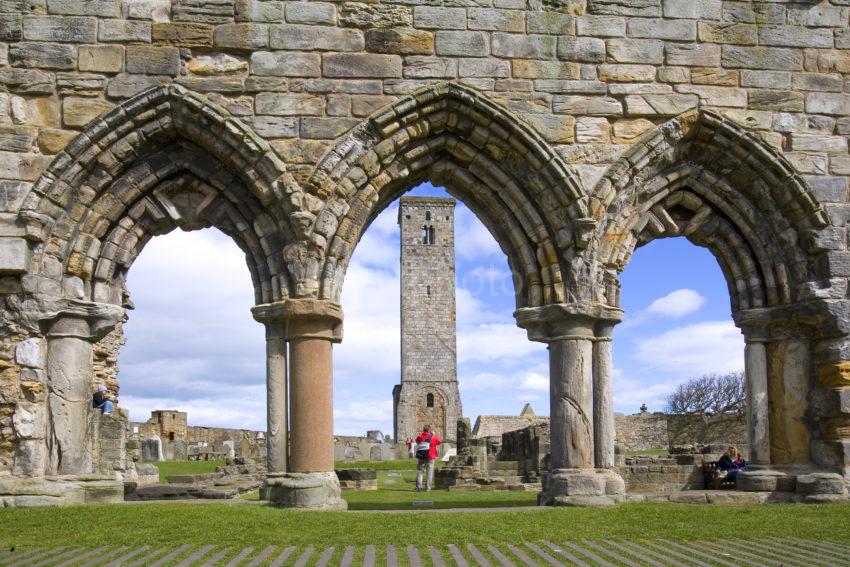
(374, 436)
(464, 434)
(350, 454)
(152, 449)
(229, 449)
(178, 450)
(375, 453)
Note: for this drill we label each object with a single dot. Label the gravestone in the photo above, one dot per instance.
(229, 449)
(152, 449)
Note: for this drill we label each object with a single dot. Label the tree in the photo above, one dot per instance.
(715, 406)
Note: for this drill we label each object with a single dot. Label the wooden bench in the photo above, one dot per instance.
(713, 481)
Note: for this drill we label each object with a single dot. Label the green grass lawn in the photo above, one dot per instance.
(256, 524)
(167, 468)
(398, 493)
(400, 465)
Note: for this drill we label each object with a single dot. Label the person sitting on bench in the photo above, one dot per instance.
(731, 462)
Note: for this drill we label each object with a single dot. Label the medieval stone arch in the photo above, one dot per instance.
(705, 178)
(482, 153)
(164, 159)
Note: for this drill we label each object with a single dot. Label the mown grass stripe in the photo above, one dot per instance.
(171, 556)
(146, 559)
(698, 553)
(740, 555)
(93, 553)
(107, 556)
(127, 556)
(817, 553)
(392, 556)
(520, 554)
(668, 553)
(585, 552)
(59, 557)
(18, 553)
(789, 553)
(239, 557)
(305, 556)
(457, 556)
(619, 558)
(38, 553)
(196, 556)
(842, 556)
(413, 556)
(478, 556)
(284, 555)
(501, 557)
(369, 556)
(436, 557)
(645, 558)
(347, 557)
(216, 558)
(325, 558)
(546, 557)
(827, 544)
(805, 554)
(262, 556)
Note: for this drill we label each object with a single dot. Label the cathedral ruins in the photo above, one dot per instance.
(576, 130)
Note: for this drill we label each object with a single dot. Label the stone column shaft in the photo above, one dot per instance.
(276, 399)
(757, 403)
(311, 380)
(603, 404)
(788, 391)
(571, 403)
(69, 380)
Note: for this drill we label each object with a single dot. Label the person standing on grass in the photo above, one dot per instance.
(426, 454)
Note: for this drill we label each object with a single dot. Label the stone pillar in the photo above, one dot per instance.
(277, 445)
(603, 399)
(569, 330)
(310, 328)
(789, 371)
(757, 402)
(70, 336)
(571, 403)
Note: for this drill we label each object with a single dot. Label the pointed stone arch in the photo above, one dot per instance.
(704, 177)
(495, 162)
(164, 159)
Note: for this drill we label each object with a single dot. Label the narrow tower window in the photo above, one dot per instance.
(429, 290)
(429, 400)
(428, 235)
(427, 215)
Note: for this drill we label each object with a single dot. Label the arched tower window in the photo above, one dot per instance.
(428, 235)
(429, 400)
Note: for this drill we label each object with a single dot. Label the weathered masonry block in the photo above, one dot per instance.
(577, 130)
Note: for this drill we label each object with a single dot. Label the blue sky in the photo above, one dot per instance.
(192, 344)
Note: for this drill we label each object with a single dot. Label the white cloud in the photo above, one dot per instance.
(693, 350)
(676, 304)
(472, 239)
(356, 417)
(495, 342)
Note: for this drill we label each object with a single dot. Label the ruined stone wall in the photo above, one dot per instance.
(590, 76)
(641, 431)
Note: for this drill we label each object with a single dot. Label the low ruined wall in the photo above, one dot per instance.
(641, 431)
(661, 474)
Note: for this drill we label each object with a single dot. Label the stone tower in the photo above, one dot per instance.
(428, 393)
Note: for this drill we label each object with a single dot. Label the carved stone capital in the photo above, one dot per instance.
(85, 320)
(822, 318)
(564, 321)
(302, 319)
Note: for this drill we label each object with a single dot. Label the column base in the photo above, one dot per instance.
(28, 492)
(582, 487)
(309, 491)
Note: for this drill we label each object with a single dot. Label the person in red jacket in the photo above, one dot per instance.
(426, 454)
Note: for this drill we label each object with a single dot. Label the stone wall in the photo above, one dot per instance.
(727, 119)
(642, 431)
